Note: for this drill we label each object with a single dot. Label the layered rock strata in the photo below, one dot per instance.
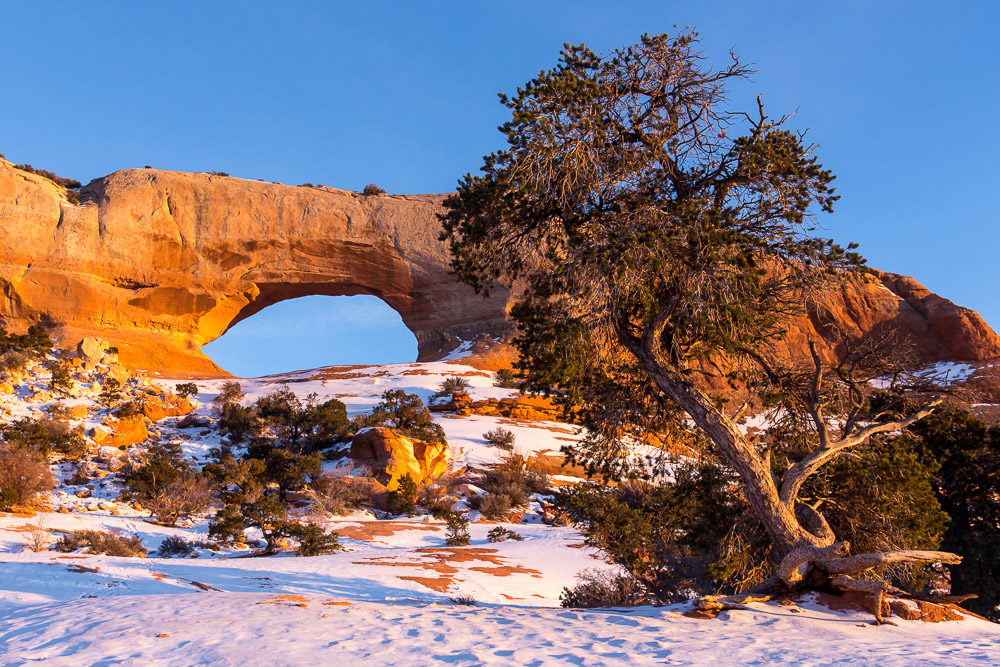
(160, 263)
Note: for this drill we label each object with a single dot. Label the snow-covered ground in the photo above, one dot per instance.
(386, 599)
(266, 629)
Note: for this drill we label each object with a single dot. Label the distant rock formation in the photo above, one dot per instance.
(159, 263)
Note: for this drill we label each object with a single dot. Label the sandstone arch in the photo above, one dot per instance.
(160, 263)
(312, 332)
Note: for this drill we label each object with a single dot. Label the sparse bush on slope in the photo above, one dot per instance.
(24, 473)
(101, 542)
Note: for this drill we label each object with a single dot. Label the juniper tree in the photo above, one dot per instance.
(651, 233)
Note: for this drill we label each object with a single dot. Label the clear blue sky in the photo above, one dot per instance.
(902, 96)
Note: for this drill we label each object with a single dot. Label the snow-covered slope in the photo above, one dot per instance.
(386, 599)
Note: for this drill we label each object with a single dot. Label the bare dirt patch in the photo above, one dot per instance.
(288, 600)
(441, 559)
(439, 584)
(82, 569)
(367, 531)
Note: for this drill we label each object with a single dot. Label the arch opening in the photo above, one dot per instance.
(311, 332)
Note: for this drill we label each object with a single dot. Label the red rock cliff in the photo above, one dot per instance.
(160, 263)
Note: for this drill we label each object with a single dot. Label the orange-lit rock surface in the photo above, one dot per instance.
(160, 263)
(392, 455)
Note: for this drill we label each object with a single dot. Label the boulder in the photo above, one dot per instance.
(91, 349)
(157, 406)
(126, 432)
(392, 455)
(78, 411)
(118, 372)
(99, 434)
(194, 421)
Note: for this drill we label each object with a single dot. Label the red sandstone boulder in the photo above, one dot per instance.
(392, 455)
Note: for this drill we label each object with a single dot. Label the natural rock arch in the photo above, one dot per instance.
(160, 263)
(312, 332)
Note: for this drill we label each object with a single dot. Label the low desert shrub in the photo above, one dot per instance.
(13, 361)
(506, 379)
(494, 506)
(453, 385)
(510, 484)
(68, 183)
(24, 473)
(500, 438)
(457, 534)
(403, 500)
(38, 537)
(46, 435)
(464, 600)
(174, 547)
(605, 588)
(339, 495)
(230, 393)
(314, 540)
(167, 484)
(501, 534)
(188, 494)
(102, 542)
(372, 190)
(436, 498)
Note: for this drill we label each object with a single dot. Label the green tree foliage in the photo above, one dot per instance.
(227, 526)
(283, 420)
(656, 234)
(882, 498)
(968, 488)
(110, 392)
(35, 341)
(46, 436)
(697, 533)
(167, 484)
(501, 534)
(186, 389)
(314, 540)
(457, 534)
(61, 379)
(406, 414)
(403, 500)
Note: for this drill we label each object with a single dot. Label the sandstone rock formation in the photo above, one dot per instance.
(392, 455)
(159, 263)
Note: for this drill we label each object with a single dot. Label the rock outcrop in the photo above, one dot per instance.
(159, 263)
(392, 455)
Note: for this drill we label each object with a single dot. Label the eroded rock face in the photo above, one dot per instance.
(159, 263)
(392, 455)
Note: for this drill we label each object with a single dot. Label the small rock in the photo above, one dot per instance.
(193, 421)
